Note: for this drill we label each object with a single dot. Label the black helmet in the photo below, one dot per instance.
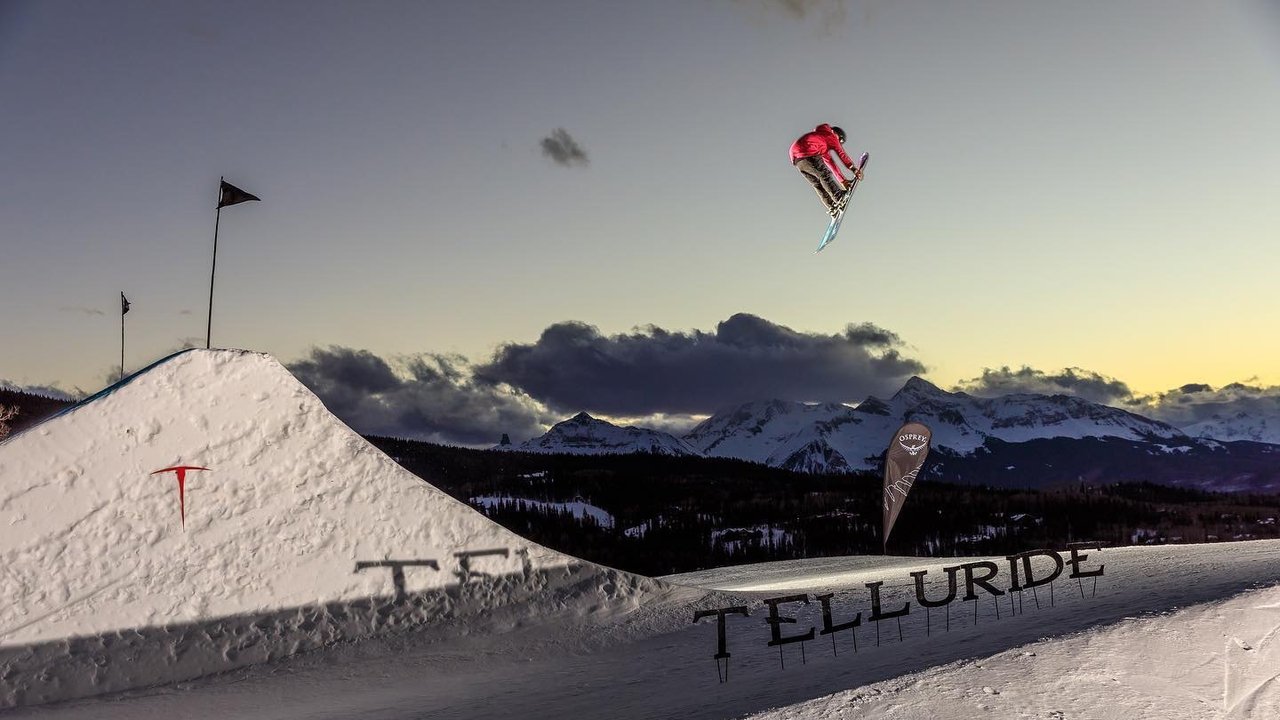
(839, 131)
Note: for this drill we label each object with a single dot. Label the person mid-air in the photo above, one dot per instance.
(811, 155)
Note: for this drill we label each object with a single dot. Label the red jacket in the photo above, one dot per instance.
(820, 143)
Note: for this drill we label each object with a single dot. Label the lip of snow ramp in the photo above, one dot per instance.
(285, 531)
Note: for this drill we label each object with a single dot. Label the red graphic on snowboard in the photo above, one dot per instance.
(181, 470)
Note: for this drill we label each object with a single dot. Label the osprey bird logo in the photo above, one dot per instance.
(913, 450)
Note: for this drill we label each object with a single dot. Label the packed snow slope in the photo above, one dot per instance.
(286, 531)
(1186, 632)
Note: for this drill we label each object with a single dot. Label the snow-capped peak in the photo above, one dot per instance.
(769, 431)
(918, 387)
(583, 434)
(1242, 425)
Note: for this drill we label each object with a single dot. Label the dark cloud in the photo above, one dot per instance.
(651, 370)
(1187, 405)
(563, 149)
(340, 369)
(868, 334)
(1071, 381)
(1198, 402)
(425, 397)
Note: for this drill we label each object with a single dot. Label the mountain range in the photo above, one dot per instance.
(1016, 440)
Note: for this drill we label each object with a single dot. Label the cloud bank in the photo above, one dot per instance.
(1085, 384)
(1197, 402)
(651, 370)
(424, 397)
(1181, 407)
(650, 377)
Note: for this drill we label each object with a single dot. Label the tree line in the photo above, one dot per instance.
(674, 514)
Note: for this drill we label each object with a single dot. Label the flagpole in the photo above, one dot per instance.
(208, 334)
(122, 312)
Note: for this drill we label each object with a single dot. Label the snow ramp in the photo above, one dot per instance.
(208, 513)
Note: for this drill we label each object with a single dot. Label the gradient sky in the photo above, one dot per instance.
(1052, 185)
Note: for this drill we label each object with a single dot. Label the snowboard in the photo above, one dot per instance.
(834, 227)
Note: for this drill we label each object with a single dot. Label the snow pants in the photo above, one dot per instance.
(828, 187)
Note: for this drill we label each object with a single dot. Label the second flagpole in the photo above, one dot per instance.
(124, 308)
(208, 333)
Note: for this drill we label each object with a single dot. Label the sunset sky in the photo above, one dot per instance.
(532, 208)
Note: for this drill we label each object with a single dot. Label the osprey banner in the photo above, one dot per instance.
(902, 463)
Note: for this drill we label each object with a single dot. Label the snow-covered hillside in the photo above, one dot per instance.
(1017, 440)
(832, 437)
(1181, 632)
(964, 421)
(835, 437)
(1253, 427)
(765, 431)
(286, 531)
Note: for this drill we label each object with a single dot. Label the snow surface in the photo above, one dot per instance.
(288, 544)
(1173, 632)
(734, 539)
(105, 590)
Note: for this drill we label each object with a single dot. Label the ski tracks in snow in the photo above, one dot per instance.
(1251, 668)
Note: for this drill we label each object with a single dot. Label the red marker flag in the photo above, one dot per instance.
(181, 470)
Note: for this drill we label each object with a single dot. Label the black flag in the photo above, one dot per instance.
(902, 463)
(124, 304)
(229, 194)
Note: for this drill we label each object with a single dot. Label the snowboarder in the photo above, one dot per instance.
(811, 154)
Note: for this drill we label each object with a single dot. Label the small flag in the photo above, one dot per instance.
(229, 194)
(124, 304)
